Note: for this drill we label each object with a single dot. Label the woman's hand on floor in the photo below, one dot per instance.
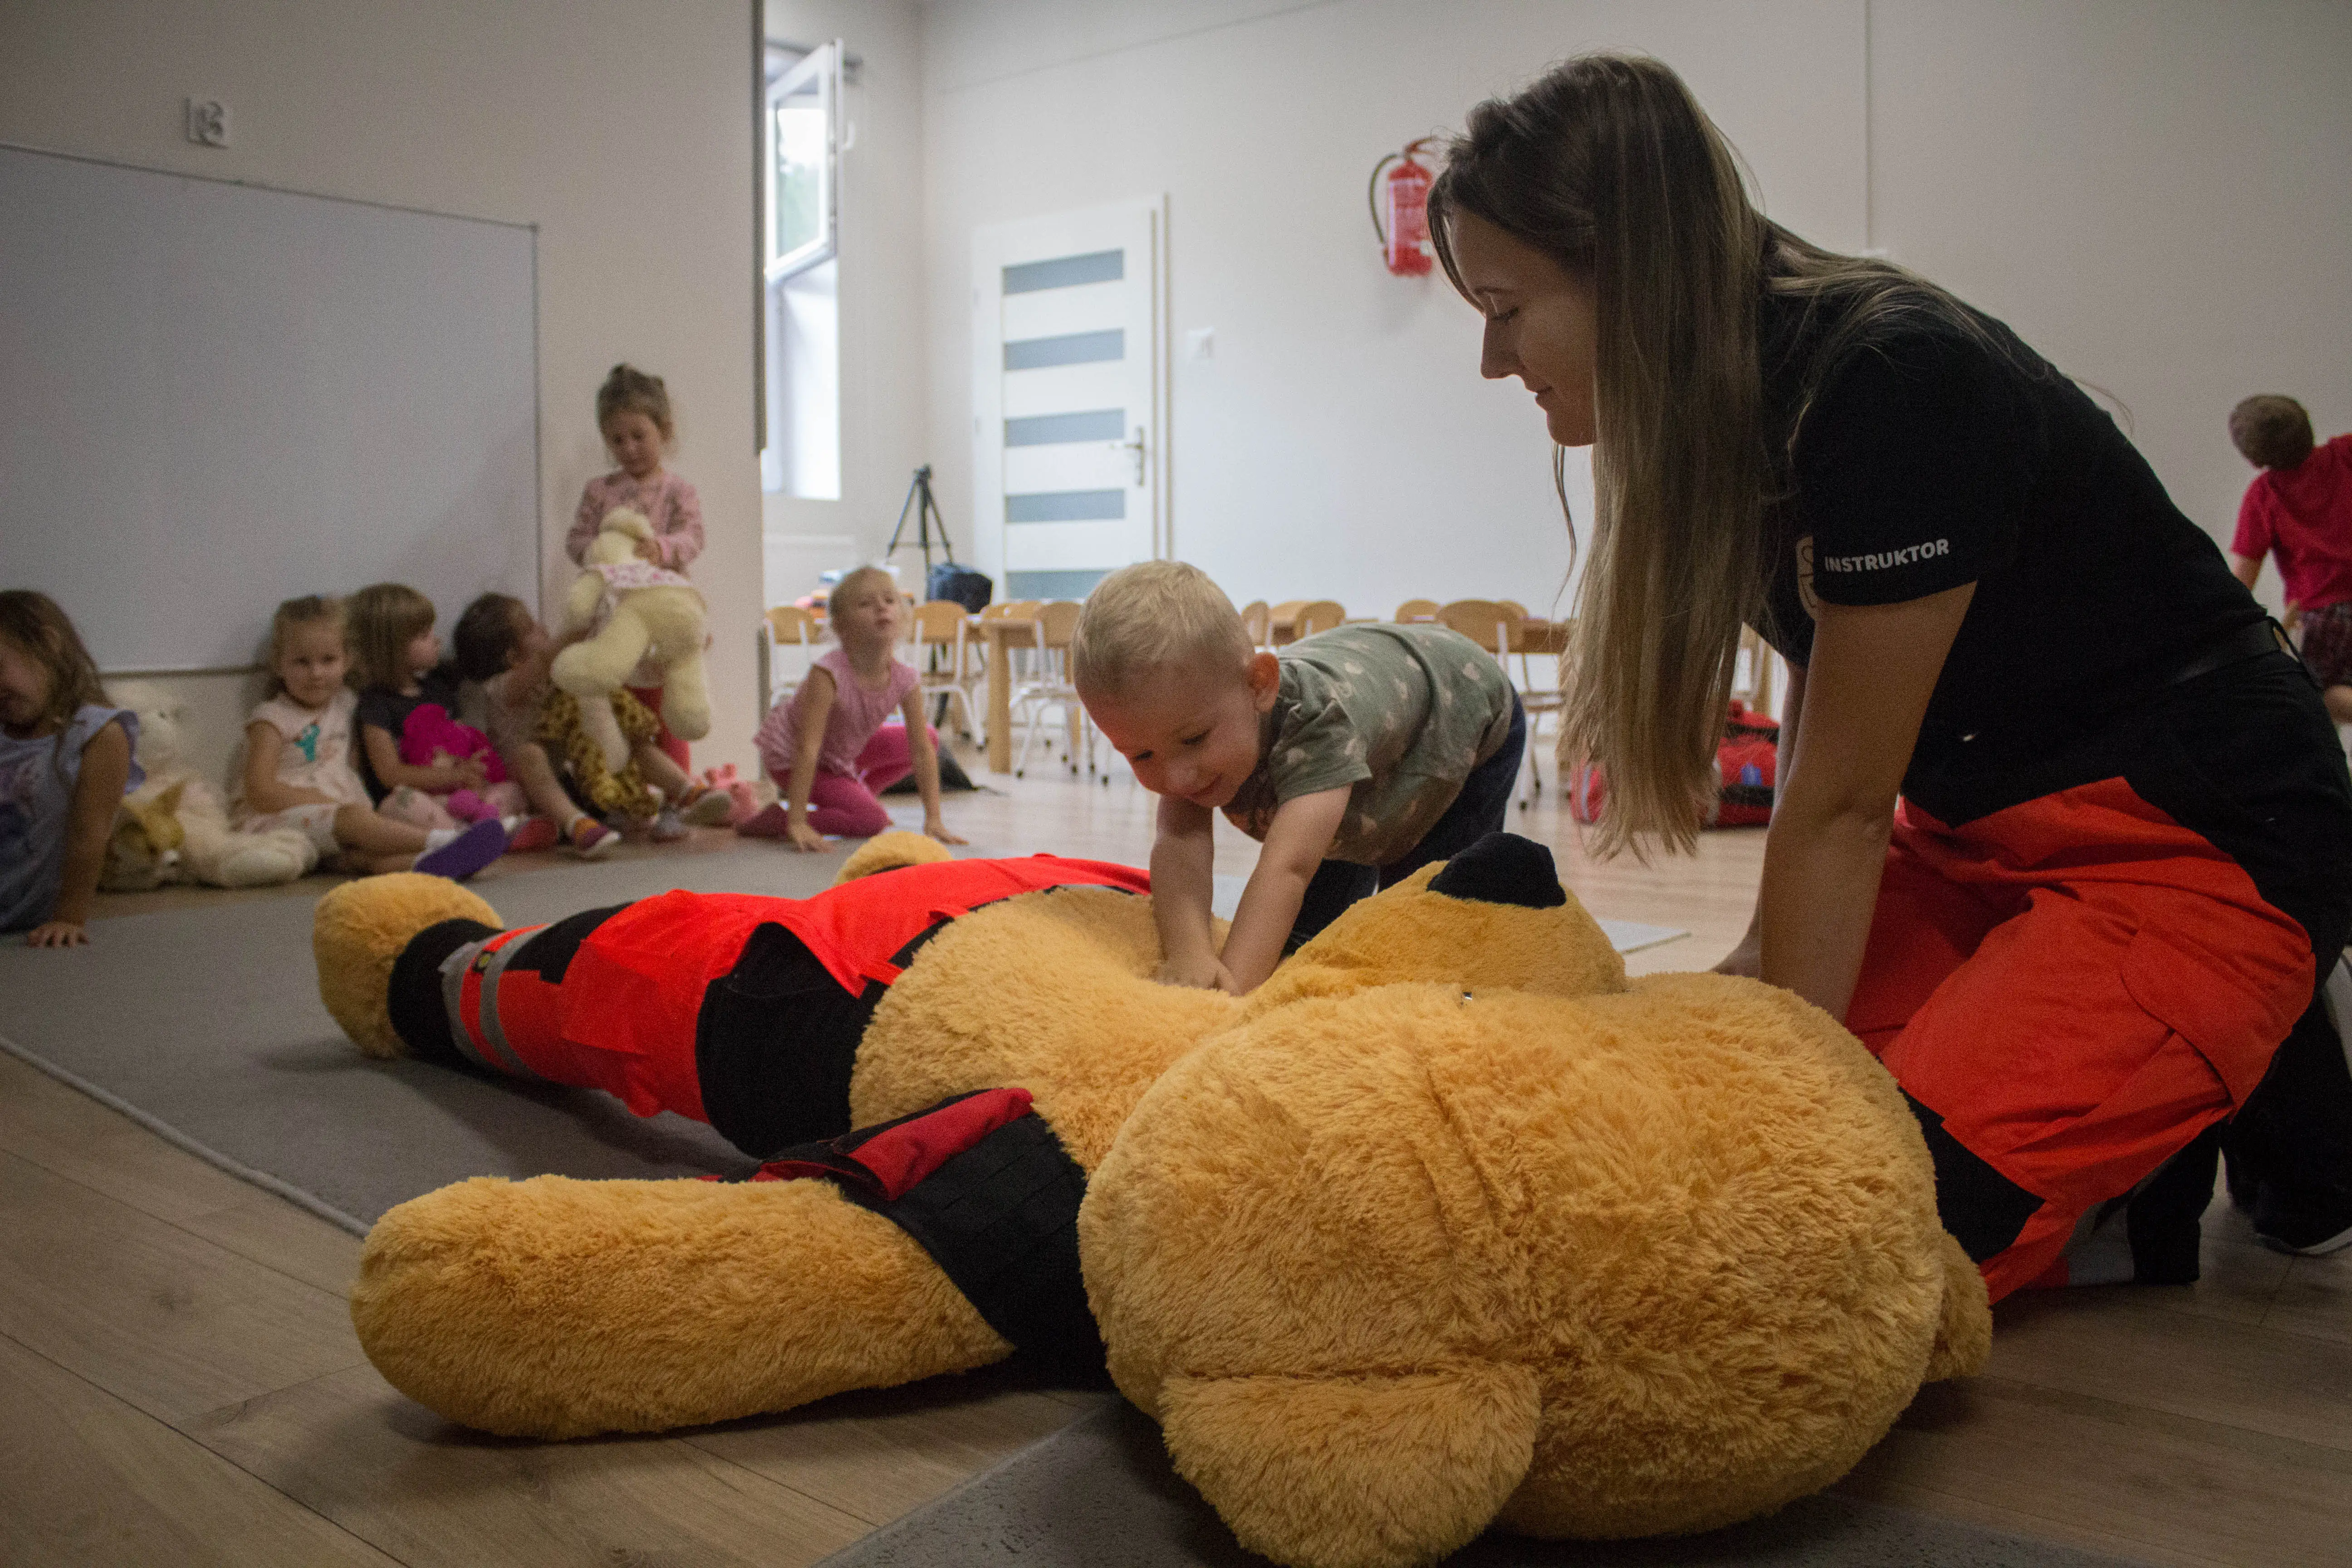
(936, 828)
(58, 934)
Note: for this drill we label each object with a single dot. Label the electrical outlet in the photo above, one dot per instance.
(208, 123)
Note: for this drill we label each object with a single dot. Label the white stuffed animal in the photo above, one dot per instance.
(649, 614)
(208, 850)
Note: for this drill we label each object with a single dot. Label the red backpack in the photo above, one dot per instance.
(1747, 766)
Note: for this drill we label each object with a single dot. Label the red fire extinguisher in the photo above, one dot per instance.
(1399, 201)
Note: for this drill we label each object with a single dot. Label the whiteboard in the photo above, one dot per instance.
(213, 397)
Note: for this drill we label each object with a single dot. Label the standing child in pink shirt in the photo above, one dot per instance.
(828, 748)
(633, 412)
(2299, 508)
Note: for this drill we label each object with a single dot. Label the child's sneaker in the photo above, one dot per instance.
(668, 828)
(591, 840)
(525, 833)
(467, 852)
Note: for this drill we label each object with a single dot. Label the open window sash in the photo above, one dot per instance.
(802, 135)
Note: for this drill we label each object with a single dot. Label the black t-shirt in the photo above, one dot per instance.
(389, 711)
(1928, 458)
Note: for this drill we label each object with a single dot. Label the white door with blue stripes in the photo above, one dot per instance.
(1068, 338)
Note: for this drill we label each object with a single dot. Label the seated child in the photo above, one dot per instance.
(827, 748)
(396, 666)
(297, 768)
(2299, 508)
(1356, 757)
(65, 765)
(502, 646)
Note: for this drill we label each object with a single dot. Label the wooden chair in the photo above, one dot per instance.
(1258, 621)
(940, 637)
(1417, 610)
(1282, 622)
(1320, 615)
(1494, 625)
(786, 626)
(1754, 671)
(1049, 684)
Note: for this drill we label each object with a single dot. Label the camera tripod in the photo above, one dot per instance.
(926, 512)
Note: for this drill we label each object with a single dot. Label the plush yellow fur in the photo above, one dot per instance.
(1447, 1226)
(664, 623)
(356, 935)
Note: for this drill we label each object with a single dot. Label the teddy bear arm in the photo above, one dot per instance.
(553, 1307)
(1378, 1471)
(579, 604)
(1964, 1334)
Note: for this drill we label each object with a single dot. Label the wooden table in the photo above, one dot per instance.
(1003, 637)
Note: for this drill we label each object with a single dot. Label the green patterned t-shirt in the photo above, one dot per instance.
(1401, 713)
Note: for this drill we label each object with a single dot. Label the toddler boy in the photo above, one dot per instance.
(1356, 757)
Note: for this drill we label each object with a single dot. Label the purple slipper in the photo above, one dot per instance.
(465, 854)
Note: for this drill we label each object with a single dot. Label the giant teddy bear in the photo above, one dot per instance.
(1447, 1225)
(639, 611)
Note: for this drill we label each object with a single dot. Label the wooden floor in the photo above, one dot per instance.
(181, 1385)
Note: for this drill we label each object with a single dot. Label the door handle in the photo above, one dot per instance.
(1137, 447)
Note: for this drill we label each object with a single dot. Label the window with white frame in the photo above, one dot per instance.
(800, 191)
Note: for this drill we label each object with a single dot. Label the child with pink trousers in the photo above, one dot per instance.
(828, 748)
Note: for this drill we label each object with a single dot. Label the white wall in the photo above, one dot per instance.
(2152, 194)
(884, 408)
(626, 139)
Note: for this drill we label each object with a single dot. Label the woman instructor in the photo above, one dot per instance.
(2063, 834)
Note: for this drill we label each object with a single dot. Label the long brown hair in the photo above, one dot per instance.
(46, 634)
(380, 621)
(1608, 164)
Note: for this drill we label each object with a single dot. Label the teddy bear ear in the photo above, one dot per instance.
(1356, 1472)
(1964, 1334)
(887, 852)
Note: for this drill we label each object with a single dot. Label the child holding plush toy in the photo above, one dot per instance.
(298, 769)
(634, 416)
(827, 748)
(419, 765)
(65, 764)
(502, 647)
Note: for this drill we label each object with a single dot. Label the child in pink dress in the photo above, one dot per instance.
(828, 748)
(633, 412)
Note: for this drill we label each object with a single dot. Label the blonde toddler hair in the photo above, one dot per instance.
(308, 610)
(1154, 618)
(853, 583)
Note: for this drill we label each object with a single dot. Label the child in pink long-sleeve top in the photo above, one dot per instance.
(632, 411)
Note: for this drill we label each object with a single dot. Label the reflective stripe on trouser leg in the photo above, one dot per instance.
(470, 982)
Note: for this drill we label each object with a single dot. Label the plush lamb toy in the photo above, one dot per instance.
(648, 612)
(1448, 1225)
(173, 827)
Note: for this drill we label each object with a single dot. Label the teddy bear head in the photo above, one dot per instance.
(617, 538)
(1395, 1260)
(162, 717)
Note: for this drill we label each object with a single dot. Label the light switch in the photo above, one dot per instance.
(1200, 343)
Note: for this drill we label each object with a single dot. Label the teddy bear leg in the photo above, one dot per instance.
(604, 733)
(686, 697)
(554, 1308)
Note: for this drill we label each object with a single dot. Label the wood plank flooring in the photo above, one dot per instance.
(182, 1385)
